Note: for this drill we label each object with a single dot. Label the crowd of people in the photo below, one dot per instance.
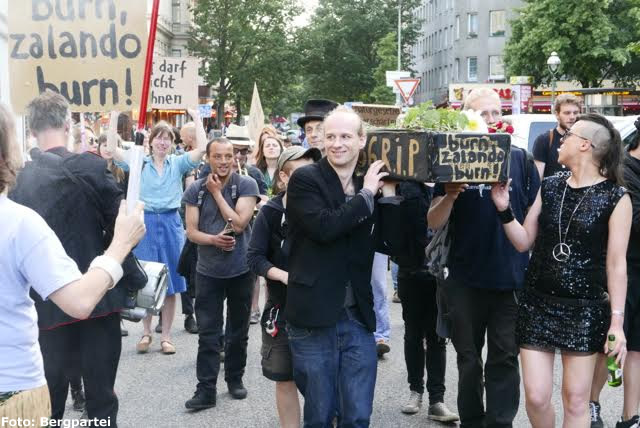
(227, 214)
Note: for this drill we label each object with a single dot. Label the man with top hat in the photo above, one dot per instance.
(314, 114)
(219, 208)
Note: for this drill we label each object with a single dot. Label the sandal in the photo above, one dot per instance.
(143, 345)
(167, 347)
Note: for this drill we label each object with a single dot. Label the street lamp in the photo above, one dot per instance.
(553, 63)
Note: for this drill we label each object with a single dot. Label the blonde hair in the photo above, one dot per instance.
(478, 93)
(566, 99)
(345, 110)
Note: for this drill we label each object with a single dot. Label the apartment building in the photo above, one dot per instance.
(461, 41)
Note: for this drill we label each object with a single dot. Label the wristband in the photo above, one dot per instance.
(616, 312)
(506, 216)
(110, 266)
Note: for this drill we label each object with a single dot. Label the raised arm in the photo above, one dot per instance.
(441, 206)
(112, 139)
(201, 137)
(619, 229)
(521, 236)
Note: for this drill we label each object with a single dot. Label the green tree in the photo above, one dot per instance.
(242, 42)
(388, 56)
(592, 37)
(340, 45)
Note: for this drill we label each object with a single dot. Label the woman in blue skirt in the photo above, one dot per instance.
(161, 191)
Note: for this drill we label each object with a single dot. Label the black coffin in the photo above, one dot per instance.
(439, 157)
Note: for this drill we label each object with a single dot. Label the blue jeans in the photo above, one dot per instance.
(335, 370)
(380, 302)
(394, 275)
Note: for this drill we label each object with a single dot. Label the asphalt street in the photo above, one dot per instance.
(152, 388)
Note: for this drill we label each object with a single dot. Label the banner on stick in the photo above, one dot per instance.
(174, 83)
(90, 52)
(256, 116)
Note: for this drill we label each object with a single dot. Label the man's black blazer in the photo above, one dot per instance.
(332, 245)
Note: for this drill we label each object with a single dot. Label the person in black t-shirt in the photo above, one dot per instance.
(545, 148)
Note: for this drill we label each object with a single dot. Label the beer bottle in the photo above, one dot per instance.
(615, 371)
(228, 229)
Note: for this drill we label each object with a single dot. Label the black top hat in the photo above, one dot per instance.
(316, 110)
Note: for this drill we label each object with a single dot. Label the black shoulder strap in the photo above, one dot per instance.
(528, 165)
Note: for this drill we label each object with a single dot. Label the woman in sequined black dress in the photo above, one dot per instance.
(580, 227)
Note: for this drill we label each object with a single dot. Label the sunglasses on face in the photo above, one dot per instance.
(240, 151)
(568, 133)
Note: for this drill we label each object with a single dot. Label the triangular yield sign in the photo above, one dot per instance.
(407, 87)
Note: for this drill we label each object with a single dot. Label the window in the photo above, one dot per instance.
(456, 70)
(497, 23)
(472, 25)
(446, 37)
(472, 69)
(496, 67)
(457, 27)
(176, 52)
(175, 10)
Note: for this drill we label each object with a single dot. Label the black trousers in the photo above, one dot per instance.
(187, 303)
(474, 314)
(417, 292)
(98, 343)
(211, 293)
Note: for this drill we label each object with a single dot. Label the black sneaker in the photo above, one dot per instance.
(201, 400)
(78, 399)
(634, 422)
(237, 389)
(594, 411)
(190, 324)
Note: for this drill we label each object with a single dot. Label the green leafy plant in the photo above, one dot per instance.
(426, 116)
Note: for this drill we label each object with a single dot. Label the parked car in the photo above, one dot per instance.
(529, 126)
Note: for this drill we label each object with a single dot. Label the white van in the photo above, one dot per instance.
(529, 126)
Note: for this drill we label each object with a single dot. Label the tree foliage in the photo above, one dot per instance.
(388, 60)
(242, 42)
(592, 37)
(341, 46)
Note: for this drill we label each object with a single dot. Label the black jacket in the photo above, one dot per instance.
(407, 224)
(268, 248)
(81, 226)
(332, 245)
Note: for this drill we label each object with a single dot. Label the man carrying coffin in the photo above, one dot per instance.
(484, 271)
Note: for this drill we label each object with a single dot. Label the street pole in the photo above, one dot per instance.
(398, 99)
(553, 91)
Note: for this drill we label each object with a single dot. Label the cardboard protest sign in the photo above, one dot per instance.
(256, 116)
(377, 115)
(439, 157)
(469, 158)
(91, 52)
(174, 83)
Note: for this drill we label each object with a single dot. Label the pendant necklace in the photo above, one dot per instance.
(562, 251)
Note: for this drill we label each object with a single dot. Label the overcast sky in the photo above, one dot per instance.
(309, 6)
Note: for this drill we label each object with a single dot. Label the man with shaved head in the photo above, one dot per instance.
(332, 229)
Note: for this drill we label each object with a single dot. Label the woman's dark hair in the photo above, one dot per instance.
(7, 149)
(634, 144)
(609, 155)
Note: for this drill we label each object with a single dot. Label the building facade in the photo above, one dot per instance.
(461, 41)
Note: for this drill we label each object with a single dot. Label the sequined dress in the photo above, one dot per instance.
(564, 304)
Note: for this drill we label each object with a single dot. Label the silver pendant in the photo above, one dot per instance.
(561, 252)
